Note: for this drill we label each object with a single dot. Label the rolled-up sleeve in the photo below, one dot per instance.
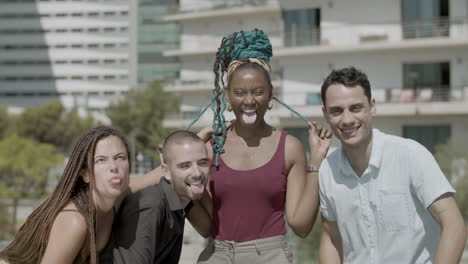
(428, 181)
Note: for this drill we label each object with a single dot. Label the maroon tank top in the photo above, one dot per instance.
(249, 204)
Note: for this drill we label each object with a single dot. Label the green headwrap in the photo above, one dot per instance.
(255, 45)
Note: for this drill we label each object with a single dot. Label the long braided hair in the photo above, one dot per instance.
(30, 242)
(237, 46)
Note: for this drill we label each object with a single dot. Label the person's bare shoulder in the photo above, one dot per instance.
(294, 150)
(70, 221)
(293, 145)
(67, 236)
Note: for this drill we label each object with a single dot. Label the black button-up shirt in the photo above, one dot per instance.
(148, 229)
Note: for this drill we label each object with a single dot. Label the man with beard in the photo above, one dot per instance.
(150, 223)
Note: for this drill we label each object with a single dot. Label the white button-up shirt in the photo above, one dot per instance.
(382, 216)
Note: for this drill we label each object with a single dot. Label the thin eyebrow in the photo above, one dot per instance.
(103, 156)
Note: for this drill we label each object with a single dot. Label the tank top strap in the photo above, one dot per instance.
(282, 142)
(280, 156)
(213, 154)
(70, 210)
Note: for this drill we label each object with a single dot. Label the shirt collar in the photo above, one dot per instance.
(171, 195)
(375, 158)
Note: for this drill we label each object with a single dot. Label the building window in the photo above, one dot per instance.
(428, 136)
(151, 16)
(313, 99)
(301, 27)
(428, 80)
(109, 29)
(425, 18)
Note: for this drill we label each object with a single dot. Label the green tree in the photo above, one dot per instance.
(25, 167)
(51, 123)
(38, 122)
(140, 116)
(4, 121)
(452, 158)
(5, 232)
(307, 249)
(69, 128)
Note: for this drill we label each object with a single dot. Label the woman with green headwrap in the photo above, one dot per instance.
(259, 175)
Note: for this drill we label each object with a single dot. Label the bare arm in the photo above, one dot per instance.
(201, 214)
(151, 178)
(202, 211)
(66, 239)
(453, 231)
(331, 250)
(302, 198)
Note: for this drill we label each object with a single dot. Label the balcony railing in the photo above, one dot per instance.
(207, 84)
(425, 94)
(390, 95)
(302, 36)
(224, 4)
(382, 96)
(439, 27)
(355, 34)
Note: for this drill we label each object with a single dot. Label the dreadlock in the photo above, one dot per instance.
(30, 242)
(248, 49)
(238, 45)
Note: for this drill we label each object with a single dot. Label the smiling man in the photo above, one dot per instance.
(383, 198)
(149, 226)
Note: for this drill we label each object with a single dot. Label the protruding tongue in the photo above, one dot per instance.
(249, 118)
(116, 181)
(197, 188)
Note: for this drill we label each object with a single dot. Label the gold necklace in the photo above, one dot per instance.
(251, 154)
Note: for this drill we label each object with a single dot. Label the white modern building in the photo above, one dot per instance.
(415, 53)
(77, 51)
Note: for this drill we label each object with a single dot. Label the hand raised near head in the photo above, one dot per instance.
(319, 142)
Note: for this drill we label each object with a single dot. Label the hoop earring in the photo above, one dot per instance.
(229, 107)
(270, 105)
